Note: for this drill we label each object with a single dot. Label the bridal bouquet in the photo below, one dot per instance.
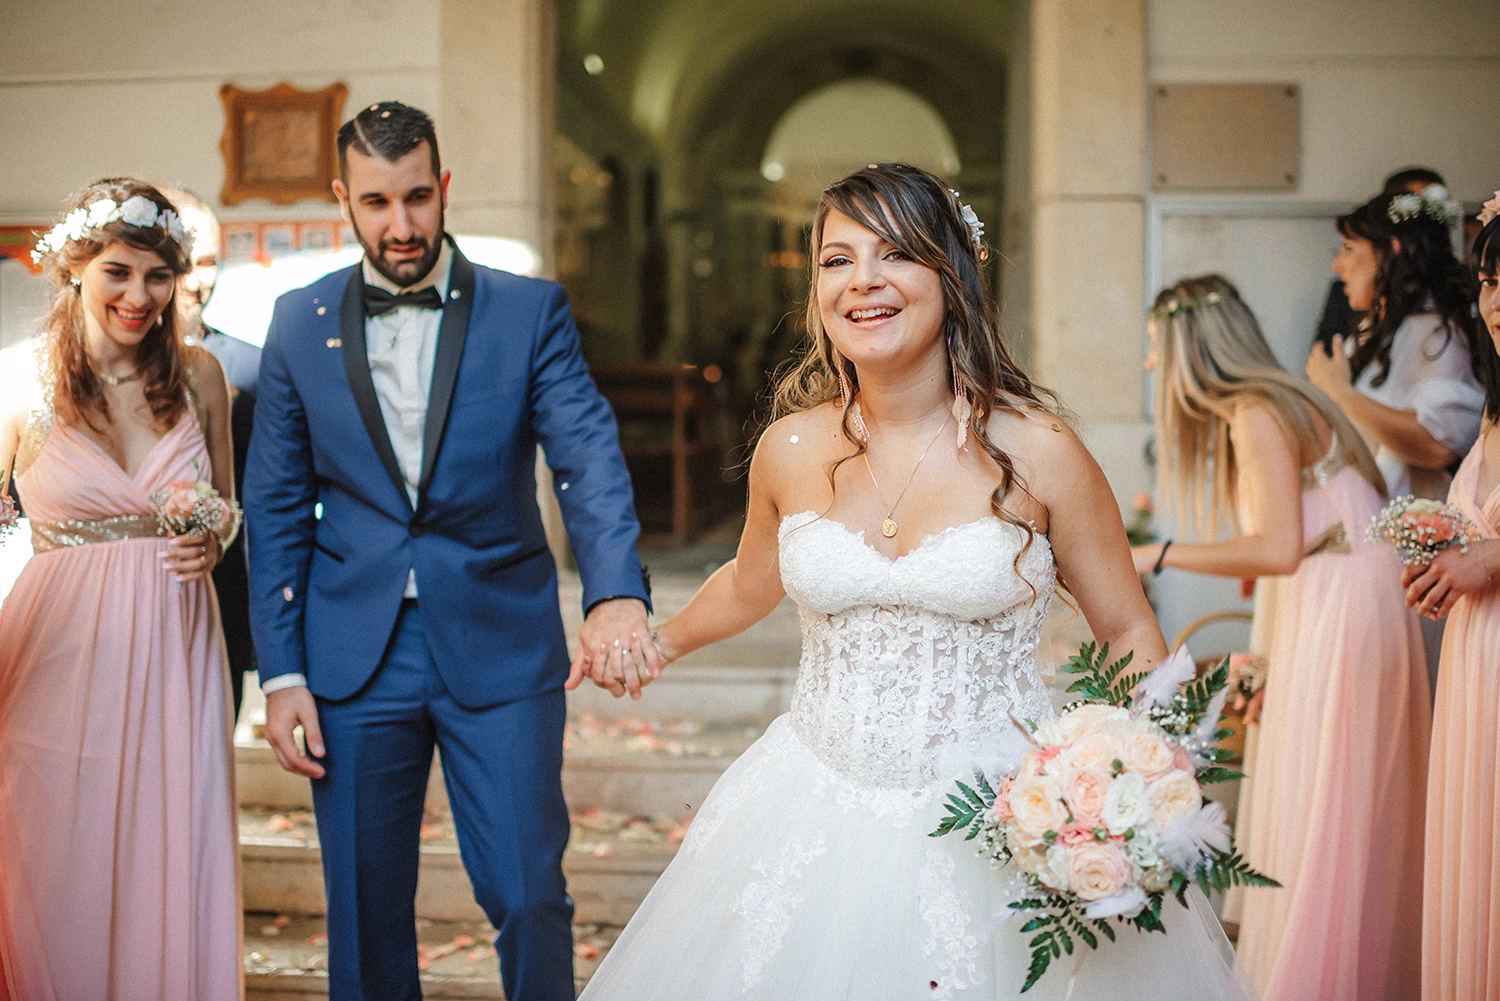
(187, 507)
(1421, 528)
(1104, 816)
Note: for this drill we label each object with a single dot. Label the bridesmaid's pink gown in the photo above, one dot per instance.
(119, 861)
(1333, 804)
(1461, 910)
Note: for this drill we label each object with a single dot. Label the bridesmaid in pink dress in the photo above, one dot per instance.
(1461, 909)
(1333, 804)
(119, 862)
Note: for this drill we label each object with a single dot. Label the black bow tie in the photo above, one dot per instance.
(378, 301)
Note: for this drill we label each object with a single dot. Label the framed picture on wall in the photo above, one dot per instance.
(241, 243)
(317, 236)
(279, 143)
(278, 241)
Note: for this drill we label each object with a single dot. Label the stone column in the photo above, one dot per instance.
(1088, 121)
(497, 81)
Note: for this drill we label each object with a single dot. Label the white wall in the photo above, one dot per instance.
(1384, 84)
(88, 91)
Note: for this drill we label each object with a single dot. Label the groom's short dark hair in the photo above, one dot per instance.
(389, 130)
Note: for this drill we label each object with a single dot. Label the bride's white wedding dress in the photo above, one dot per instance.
(808, 874)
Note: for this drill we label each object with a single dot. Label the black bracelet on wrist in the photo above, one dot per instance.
(1160, 558)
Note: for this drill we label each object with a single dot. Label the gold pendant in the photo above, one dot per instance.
(888, 528)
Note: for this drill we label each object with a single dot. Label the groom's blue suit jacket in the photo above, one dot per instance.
(508, 375)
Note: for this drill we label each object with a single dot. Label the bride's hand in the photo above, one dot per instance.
(191, 557)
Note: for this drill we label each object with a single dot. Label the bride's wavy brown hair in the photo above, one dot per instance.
(78, 394)
(918, 214)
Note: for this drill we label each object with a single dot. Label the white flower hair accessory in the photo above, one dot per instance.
(138, 211)
(971, 220)
(1433, 202)
(1489, 210)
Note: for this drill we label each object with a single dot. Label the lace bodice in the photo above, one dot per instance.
(906, 661)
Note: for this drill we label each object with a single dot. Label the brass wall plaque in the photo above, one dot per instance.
(279, 143)
(1225, 136)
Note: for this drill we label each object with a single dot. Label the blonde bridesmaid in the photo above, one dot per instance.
(1461, 908)
(1333, 805)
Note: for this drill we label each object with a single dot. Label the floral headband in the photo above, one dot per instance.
(138, 211)
(971, 220)
(1433, 202)
(1490, 210)
(1173, 306)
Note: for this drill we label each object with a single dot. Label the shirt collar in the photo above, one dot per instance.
(437, 277)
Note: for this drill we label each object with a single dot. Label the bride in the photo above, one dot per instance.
(918, 498)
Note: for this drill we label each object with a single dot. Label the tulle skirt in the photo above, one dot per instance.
(796, 883)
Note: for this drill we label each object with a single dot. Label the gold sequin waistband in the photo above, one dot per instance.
(49, 535)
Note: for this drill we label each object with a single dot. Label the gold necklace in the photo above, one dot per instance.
(888, 527)
(118, 380)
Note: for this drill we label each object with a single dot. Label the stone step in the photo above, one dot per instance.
(611, 863)
(622, 764)
(286, 958)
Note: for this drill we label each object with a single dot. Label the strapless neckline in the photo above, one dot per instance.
(927, 540)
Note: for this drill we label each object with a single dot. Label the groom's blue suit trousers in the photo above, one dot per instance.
(503, 769)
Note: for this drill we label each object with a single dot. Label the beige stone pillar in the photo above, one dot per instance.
(1088, 120)
(496, 123)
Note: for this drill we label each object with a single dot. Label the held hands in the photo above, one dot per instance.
(1434, 588)
(191, 557)
(1330, 373)
(615, 649)
(286, 710)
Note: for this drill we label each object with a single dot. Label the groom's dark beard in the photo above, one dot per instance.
(404, 273)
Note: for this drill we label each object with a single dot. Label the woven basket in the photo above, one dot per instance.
(1233, 720)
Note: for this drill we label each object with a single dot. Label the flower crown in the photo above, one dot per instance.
(138, 211)
(1433, 202)
(1490, 210)
(1173, 306)
(971, 220)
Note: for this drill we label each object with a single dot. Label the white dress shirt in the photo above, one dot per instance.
(1430, 374)
(401, 346)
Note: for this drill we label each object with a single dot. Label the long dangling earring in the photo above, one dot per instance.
(847, 402)
(963, 411)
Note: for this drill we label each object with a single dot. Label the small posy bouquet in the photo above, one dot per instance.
(1247, 675)
(1104, 816)
(1138, 529)
(1421, 528)
(187, 507)
(9, 516)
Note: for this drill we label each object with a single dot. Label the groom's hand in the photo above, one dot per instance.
(615, 648)
(286, 709)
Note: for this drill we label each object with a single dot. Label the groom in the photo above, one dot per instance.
(402, 590)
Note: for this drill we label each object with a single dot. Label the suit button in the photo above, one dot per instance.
(415, 530)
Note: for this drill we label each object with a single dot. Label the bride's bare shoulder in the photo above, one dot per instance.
(799, 448)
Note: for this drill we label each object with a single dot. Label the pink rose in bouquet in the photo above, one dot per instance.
(1420, 528)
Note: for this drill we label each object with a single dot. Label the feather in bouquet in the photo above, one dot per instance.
(187, 507)
(1105, 817)
(1420, 528)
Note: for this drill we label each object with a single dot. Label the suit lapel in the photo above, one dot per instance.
(357, 368)
(450, 349)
